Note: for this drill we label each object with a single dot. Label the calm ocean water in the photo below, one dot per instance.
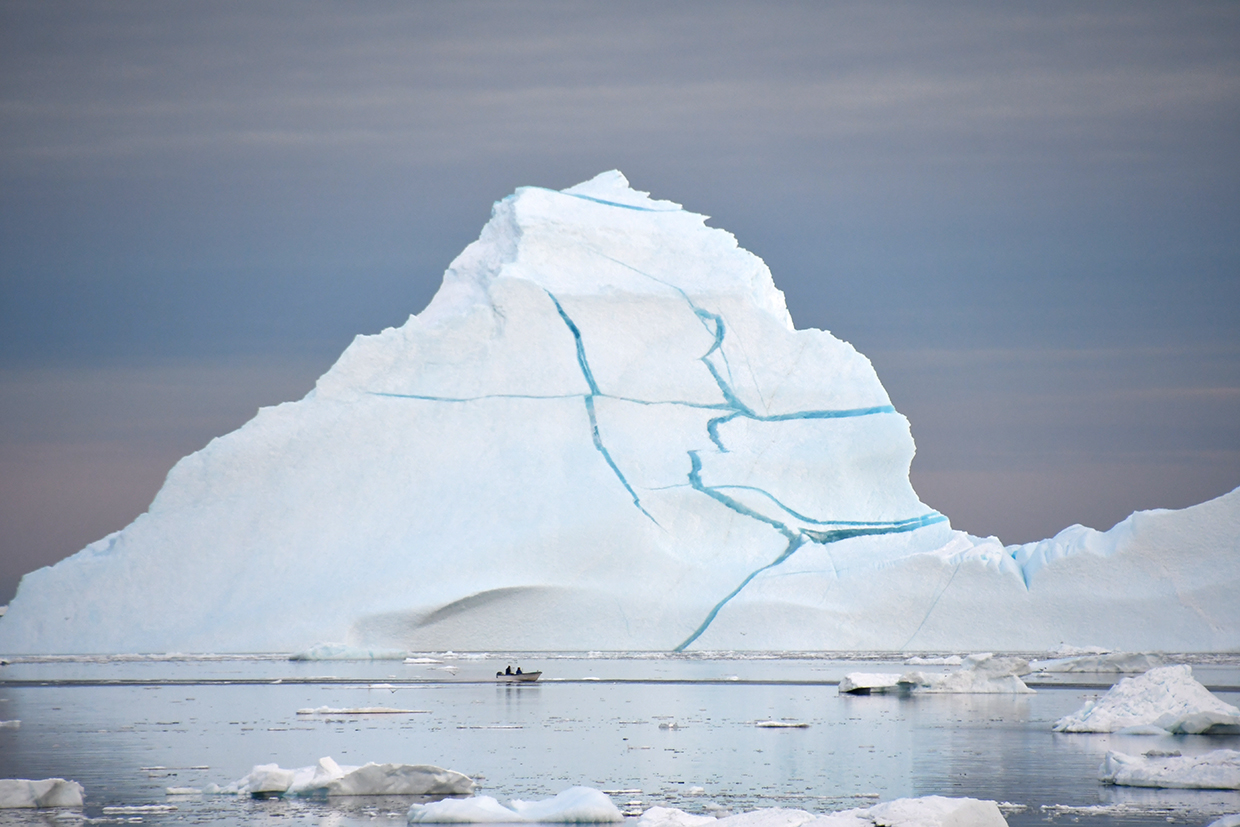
(128, 728)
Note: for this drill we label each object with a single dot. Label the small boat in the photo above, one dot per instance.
(521, 677)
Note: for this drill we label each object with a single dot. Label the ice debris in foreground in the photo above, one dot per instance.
(20, 793)
(979, 674)
(930, 811)
(328, 777)
(359, 710)
(1218, 770)
(1166, 699)
(576, 805)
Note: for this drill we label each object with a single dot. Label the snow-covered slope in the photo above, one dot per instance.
(604, 433)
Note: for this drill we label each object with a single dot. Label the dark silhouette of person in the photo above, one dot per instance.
(518, 670)
(508, 671)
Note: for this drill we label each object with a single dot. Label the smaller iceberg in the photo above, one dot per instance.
(1163, 700)
(576, 805)
(20, 793)
(329, 778)
(1218, 770)
(978, 674)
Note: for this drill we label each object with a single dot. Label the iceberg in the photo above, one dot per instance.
(604, 433)
(21, 793)
(1163, 700)
(576, 805)
(978, 674)
(329, 778)
(1217, 770)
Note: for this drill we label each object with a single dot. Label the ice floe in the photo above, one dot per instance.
(1226, 821)
(930, 811)
(21, 793)
(1165, 699)
(1217, 770)
(329, 778)
(982, 673)
(576, 805)
(10, 724)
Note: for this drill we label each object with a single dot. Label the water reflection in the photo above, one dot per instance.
(127, 743)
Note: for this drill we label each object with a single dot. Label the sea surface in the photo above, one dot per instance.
(653, 729)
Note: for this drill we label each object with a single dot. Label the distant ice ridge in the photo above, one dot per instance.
(1161, 701)
(604, 433)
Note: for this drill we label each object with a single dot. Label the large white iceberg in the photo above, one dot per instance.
(1167, 699)
(1217, 770)
(604, 432)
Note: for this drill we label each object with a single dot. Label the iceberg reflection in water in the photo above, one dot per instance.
(591, 721)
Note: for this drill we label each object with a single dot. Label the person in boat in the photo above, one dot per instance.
(518, 670)
(508, 671)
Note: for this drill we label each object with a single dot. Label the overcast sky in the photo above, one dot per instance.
(1026, 215)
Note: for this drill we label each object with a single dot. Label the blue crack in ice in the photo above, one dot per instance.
(796, 537)
(584, 364)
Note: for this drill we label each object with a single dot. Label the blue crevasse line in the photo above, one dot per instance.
(581, 348)
(927, 519)
(796, 538)
(584, 364)
(611, 203)
(793, 544)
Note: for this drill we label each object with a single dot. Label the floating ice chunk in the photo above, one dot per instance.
(873, 683)
(342, 651)
(137, 809)
(328, 777)
(768, 817)
(949, 660)
(183, 791)
(978, 674)
(1167, 697)
(576, 805)
(936, 811)
(21, 793)
(982, 674)
(782, 724)
(1134, 662)
(360, 710)
(672, 817)
(422, 660)
(10, 724)
(1226, 821)
(480, 809)
(1218, 770)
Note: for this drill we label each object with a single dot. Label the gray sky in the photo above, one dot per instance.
(1027, 216)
